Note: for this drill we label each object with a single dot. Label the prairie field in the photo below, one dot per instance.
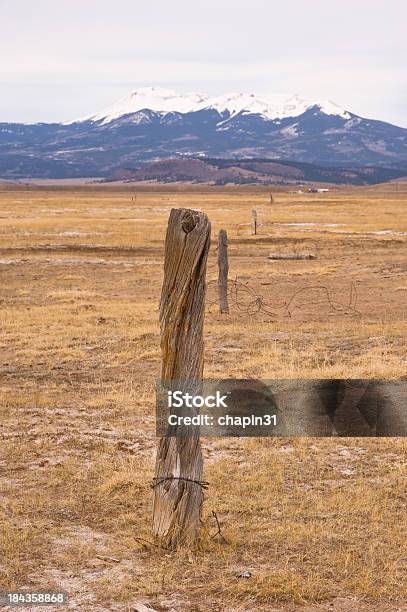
(317, 524)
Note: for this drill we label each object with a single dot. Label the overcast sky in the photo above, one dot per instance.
(63, 59)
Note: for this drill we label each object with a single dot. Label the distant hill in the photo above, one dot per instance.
(153, 124)
(257, 171)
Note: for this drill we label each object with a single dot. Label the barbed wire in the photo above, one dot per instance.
(249, 302)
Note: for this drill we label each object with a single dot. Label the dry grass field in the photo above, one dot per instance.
(319, 523)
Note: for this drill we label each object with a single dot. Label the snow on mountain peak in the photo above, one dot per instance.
(330, 108)
(275, 106)
(234, 103)
(152, 98)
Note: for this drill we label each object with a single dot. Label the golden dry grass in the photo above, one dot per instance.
(319, 523)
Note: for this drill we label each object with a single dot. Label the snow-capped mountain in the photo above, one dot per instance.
(277, 106)
(148, 98)
(153, 123)
(163, 101)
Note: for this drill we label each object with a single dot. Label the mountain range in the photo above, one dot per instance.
(256, 171)
(153, 124)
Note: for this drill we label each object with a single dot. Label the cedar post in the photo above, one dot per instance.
(178, 496)
(223, 266)
(254, 222)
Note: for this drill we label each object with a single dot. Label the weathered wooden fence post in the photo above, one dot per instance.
(254, 222)
(223, 266)
(178, 493)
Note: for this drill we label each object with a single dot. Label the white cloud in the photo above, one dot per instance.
(69, 58)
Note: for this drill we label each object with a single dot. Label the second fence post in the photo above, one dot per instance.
(223, 266)
(178, 494)
(254, 222)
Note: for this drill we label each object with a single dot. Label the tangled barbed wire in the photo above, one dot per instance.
(247, 301)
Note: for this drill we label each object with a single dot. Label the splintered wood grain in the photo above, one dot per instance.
(179, 466)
